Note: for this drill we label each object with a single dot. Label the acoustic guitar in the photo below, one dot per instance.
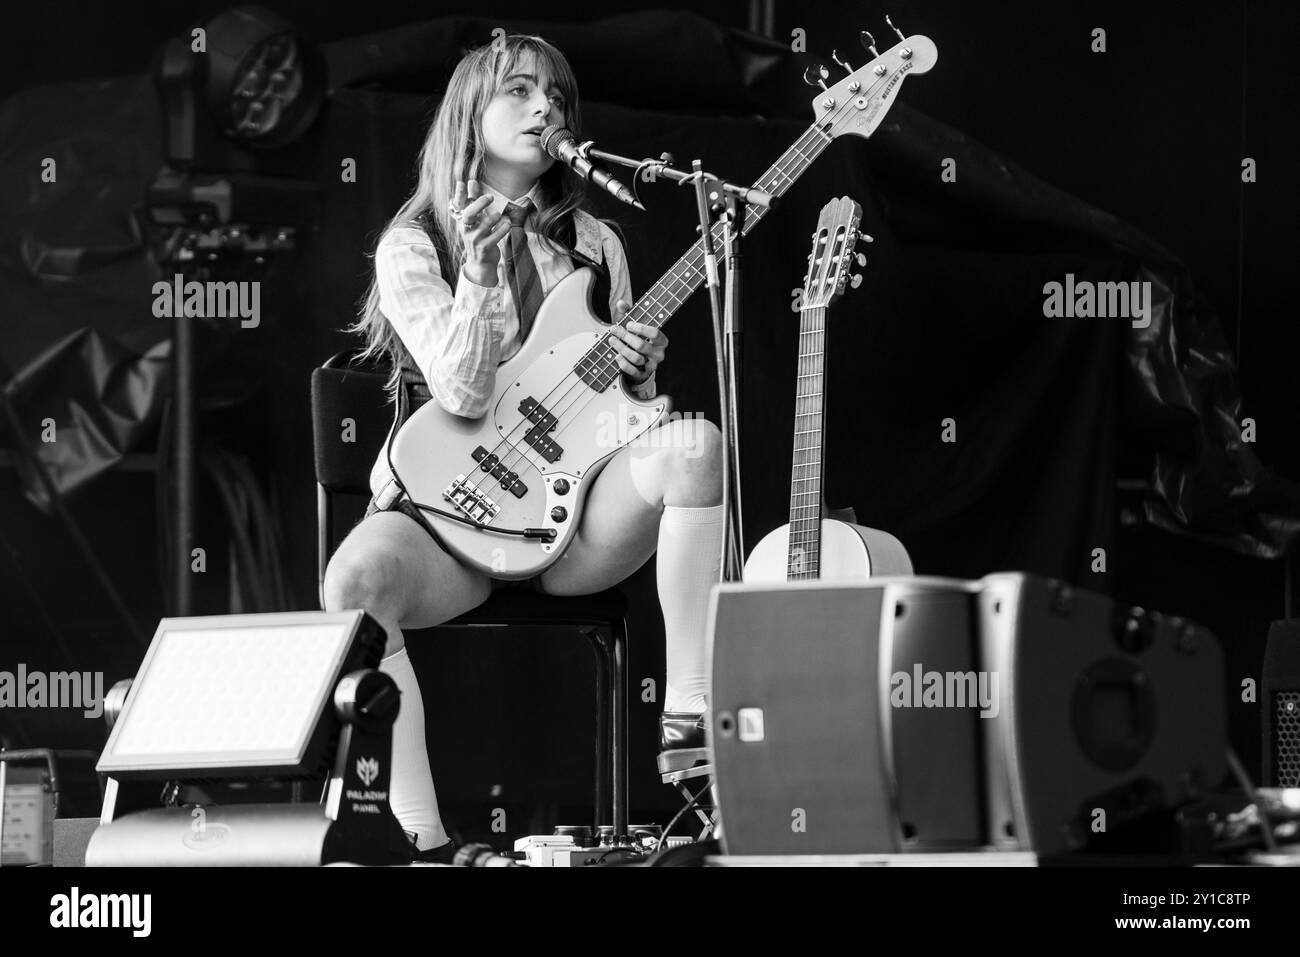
(813, 545)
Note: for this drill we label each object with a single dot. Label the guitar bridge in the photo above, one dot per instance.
(467, 497)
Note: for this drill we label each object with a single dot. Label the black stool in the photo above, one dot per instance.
(341, 389)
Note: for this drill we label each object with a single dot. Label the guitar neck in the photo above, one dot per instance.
(806, 486)
(675, 286)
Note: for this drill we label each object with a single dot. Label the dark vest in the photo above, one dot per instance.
(413, 390)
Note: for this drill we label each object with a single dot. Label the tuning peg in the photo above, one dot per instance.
(848, 68)
(816, 75)
(890, 24)
(857, 280)
(861, 258)
(869, 42)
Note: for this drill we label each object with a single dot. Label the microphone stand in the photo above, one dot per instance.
(711, 200)
(733, 219)
(727, 202)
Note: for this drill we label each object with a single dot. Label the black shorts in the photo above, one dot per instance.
(402, 503)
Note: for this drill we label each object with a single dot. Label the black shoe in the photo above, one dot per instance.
(437, 855)
(680, 729)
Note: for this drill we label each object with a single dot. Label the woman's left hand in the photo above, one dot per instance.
(640, 347)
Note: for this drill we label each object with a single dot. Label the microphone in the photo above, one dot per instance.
(563, 145)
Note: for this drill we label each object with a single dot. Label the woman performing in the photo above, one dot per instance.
(492, 226)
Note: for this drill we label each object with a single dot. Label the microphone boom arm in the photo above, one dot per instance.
(746, 194)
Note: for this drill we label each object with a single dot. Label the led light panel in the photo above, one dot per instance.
(230, 691)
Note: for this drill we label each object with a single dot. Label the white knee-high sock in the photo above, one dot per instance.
(411, 794)
(690, 551)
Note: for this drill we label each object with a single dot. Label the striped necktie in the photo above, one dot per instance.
(521, 270)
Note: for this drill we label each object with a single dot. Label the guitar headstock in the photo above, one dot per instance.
(857, 103)
(832, 253)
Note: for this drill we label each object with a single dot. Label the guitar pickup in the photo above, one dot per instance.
(491, 464)
(547, 448)
(535, 412)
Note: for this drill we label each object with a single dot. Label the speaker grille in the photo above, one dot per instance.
(1286, 719)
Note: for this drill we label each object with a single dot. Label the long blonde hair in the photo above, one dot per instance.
(453, 151)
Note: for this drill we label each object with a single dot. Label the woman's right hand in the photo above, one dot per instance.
(481, 230)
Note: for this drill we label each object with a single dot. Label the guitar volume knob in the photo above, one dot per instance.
(561, 487)
(559, 513)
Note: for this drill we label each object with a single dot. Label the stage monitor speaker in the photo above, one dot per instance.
(1109, 713)
(823, 740)
(1280, 705)
(923, 714)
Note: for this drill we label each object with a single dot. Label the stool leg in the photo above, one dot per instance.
(618, 722)
(324, 535)
(604, 708)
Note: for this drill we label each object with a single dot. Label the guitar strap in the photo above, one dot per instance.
(413, 390)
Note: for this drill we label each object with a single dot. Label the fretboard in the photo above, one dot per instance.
(674, 287)
(804, 558)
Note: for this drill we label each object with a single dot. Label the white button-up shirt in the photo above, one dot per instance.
(458, 339)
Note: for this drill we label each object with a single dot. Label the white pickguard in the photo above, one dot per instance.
(434, 447)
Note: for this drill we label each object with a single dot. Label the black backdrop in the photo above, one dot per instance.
(947, 324)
